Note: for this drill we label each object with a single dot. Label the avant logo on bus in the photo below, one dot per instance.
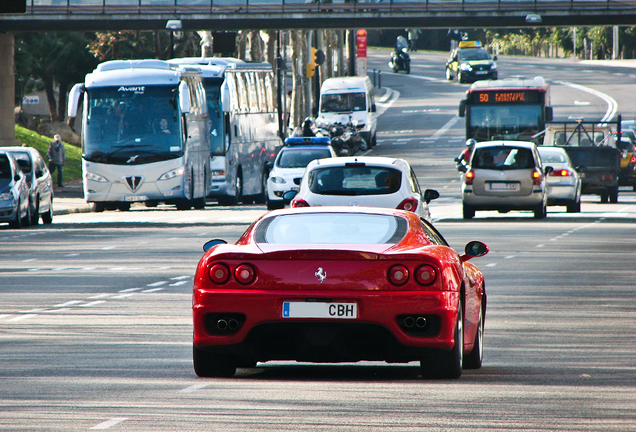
(135, 89)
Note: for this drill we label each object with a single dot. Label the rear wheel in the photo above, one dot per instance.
(447, 364)
(613, 194)
(474, 359)
(407, 67)
(574, 206)
(212, 365)
(541, 211)
(47, 218)
(449, 75)
(35, 213)
(468, 212)
(97, 207)
(16, 223)
(123, 206)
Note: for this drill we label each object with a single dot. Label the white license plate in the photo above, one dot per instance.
(320, 310)
(504, 186)
(481, 72)
(135, 198)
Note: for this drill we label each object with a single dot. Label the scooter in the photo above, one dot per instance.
(400, 60)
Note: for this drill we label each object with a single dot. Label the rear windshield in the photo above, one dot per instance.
(300, 158)
(548, 156)
(334, 228)
(345, 102)
(504, 157)
(5, 167)
(24, 161)
(355, 179)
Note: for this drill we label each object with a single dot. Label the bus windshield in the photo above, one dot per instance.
(128, 125)
(504, 121)
(212, 94)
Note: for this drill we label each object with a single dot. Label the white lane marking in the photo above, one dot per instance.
(129, 290)
(109, 423)
(156, 284)
(180, 278)
(93, 303)
(152, 290)
(88, 268)
(71, 255)
(33, 311)
(179, 283)
(23, 317)
(540, 245)
(612, 105)
(5, 316)
(509, 257)
(124, 296)
(119, 269)
(99, 296)
(193, 388)
(30, 260)
(491, 265)
(68, 303)
(444, 128)
(108, 247)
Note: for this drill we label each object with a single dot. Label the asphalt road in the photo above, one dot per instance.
(95, 320)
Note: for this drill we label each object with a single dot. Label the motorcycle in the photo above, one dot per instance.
(345, 139)
(400, 60)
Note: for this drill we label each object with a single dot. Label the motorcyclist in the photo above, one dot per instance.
(464, 157)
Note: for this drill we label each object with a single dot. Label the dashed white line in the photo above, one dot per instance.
(109, 423)
(156, 284)
(68, 303)
(180, 278)
(152, 290)
(23, 317)
(178, 283)
(93, 303)
(129, 290)
(124, 296)
(193, 388)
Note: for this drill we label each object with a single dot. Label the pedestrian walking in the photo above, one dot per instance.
(57, 157)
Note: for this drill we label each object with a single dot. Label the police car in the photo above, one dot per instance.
(470, 62)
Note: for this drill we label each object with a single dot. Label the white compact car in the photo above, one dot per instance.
(564, 182)
(365, 181)
(290, 165)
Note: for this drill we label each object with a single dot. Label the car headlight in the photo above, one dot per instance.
(172, 174)
(465, 67)
(6, 196)
(278, 180)
(95, 177)
(493, 66)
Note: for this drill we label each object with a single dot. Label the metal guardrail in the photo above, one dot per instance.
(78, 7)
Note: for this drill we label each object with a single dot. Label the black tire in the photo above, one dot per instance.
(274, 205)
(238, 188)
(460, 78)
(407, 68)
(212, 365)
(98, 207)
(449, 75)
(26, 220)
(35, 212)
(364, 146)
(17, 222)
(468, 212)
(574, 206)
(123, 206)
(447, 364)
(604, 197)
(613, 194)
(473, 359)
(541, 211)
(262, 197)
(47, 218)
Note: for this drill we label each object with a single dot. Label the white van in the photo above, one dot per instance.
(342, 98)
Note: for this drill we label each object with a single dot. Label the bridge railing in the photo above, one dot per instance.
(308, 6)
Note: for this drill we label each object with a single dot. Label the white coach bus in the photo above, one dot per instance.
(144, 134)
(244, 126)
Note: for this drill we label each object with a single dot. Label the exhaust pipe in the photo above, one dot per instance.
(232, 324)
(409, 322)
(221, 324)
(420, 322)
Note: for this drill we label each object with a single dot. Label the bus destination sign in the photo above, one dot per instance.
(505, 96)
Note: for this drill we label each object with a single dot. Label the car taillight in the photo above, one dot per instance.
(245, 274)
(299, 203)
(469, 177)
(409, 204)
(398, 275)
(606, 177)
(536, 177)
(219, 273)
(561, 173)
(425, 275)
(633, 159)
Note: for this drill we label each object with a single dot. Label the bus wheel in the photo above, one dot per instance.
(238, 188)
(97, 207)
(262, 197)
(199, 203)
(123, 206)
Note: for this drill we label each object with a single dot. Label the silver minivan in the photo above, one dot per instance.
(504, 176)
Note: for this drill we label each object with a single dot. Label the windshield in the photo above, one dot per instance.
(132, 127)
(503, 158)
(346, 102)
(355, 179)
(299, 157)
(504, 121)
(334, 228)
(212, 94)
(474, 54)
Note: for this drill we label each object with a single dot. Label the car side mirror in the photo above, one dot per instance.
(580, 169)
(462, 108)
(430, 195)
(210, 244)
(548, 169)
(461, 167)
(474, 249)
(17, 177)
(289, 195)
(373, 109)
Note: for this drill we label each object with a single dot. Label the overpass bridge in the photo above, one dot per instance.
(95, 15)
(87, 15)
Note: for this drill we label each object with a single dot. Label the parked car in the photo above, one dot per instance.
(367, 181)
(38, 178)
(339, 284)
(14, 193)
(564, 182)
(289, 166)
(504, 176)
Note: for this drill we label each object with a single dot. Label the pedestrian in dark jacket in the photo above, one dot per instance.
(57, 157)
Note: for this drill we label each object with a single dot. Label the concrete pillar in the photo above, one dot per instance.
(7, 92)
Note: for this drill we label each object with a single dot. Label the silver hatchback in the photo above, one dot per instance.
(504, 176)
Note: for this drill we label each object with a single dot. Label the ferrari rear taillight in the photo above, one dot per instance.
(245, 274)
(561, 173)
(469, 177)
(219, 273)
(299, 203)
(536, 177)
(398, 275)
(425, 275)
(409, 204)
(633, 159)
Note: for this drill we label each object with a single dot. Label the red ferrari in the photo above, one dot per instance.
(339, 284)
